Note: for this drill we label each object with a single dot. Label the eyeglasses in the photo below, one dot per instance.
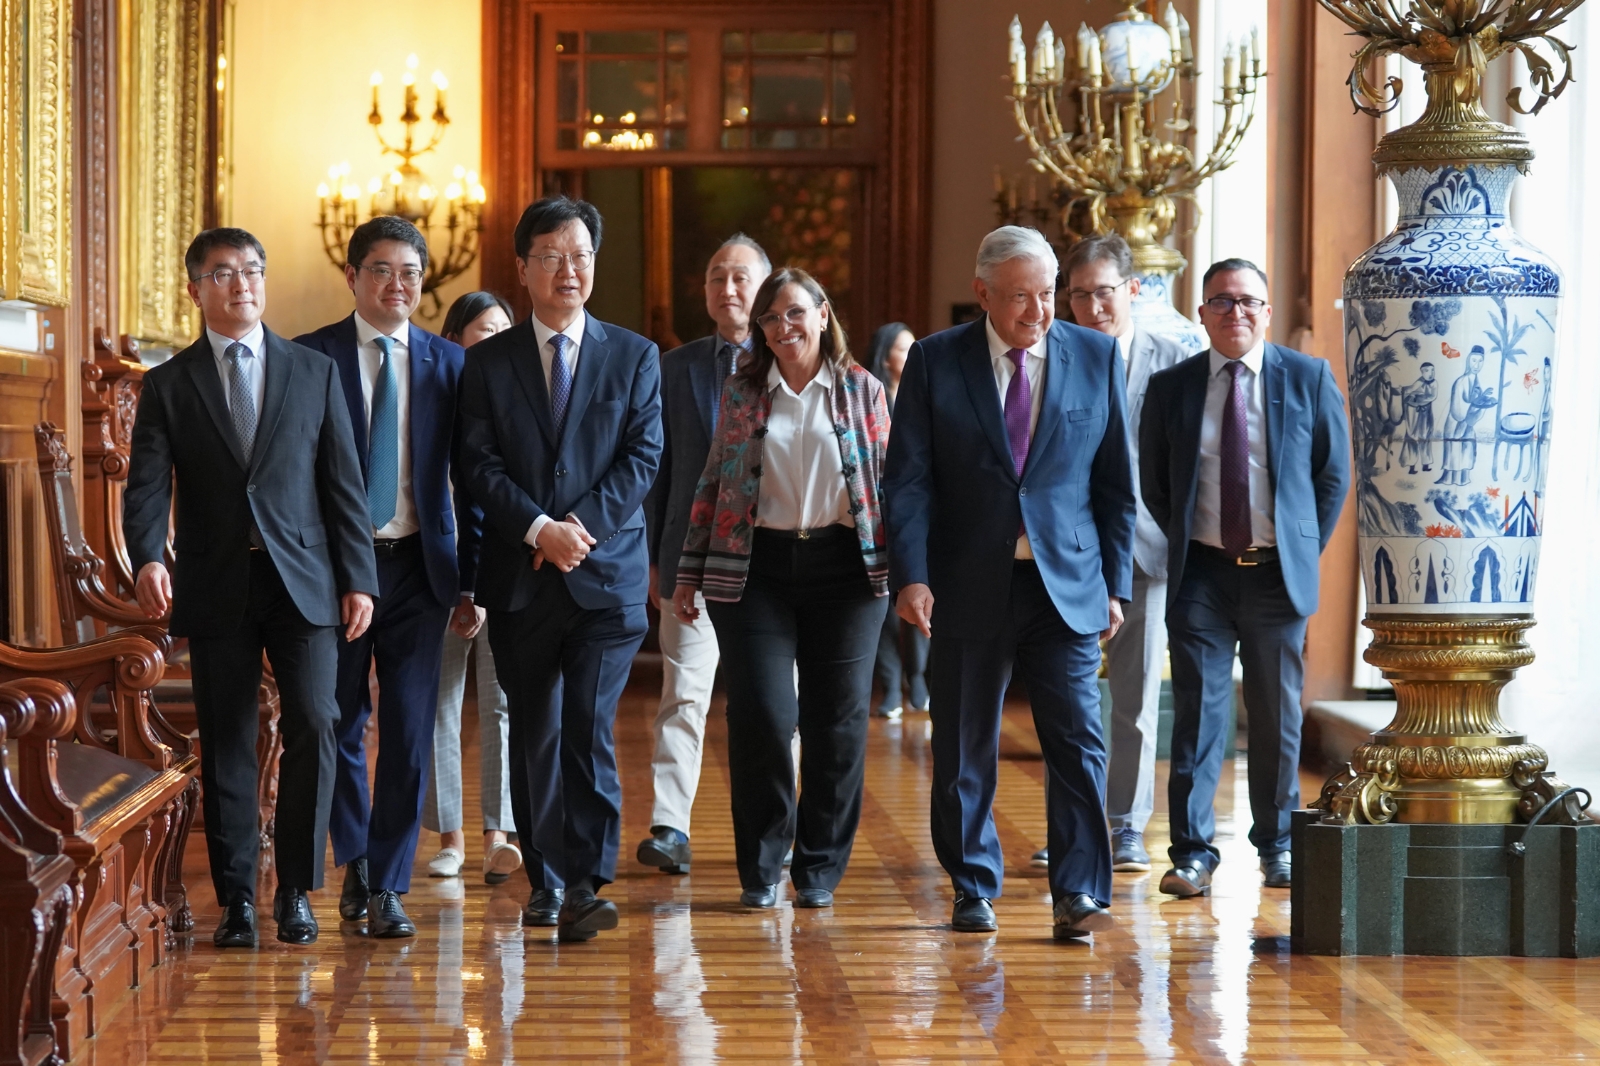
(1224, 305)
(223, 276)
(552, 262)
(794, 316)
(1100, 295)
(410, 277)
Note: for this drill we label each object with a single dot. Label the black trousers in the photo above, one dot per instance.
(563, 668)
(1221, 606)
(227, 675)
(807, 607)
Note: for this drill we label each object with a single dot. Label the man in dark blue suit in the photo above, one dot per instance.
(561, 439)
(400, 386)
(1010, 503)
(1244, 460)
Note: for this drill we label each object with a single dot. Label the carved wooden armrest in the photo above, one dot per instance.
(128, 664)
(19, 712)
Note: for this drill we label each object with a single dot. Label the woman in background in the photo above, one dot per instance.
(902, 649)
(470, 319)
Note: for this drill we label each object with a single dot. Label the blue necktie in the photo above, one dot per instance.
(560, 382)
(383, 451)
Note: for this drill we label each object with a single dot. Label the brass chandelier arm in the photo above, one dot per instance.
(1060, 163)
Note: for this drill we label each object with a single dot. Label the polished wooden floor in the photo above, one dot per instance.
(691, 977)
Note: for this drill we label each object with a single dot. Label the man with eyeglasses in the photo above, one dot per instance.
(1244, 456)
(1101, 286)
(399, 383)
(273, 551)
(561, 440)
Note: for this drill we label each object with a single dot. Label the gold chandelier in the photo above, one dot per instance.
(408, 193)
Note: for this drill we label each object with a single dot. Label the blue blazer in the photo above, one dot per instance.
(691, 387)
(1308, 445)
(599, 470)
(450, 528)
(954, 500)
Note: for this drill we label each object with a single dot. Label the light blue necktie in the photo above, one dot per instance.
(560, 382)
(241, 398)
(383, 451)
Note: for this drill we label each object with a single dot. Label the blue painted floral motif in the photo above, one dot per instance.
(1434, 317)
(1456, 192)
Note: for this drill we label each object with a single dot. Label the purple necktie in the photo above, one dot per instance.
(1234, 483)
(1019, 408)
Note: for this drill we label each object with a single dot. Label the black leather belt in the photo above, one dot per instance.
(397, 545)
(1251, 557)
(819, 533)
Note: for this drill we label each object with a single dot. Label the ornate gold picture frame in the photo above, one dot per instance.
(36, 153)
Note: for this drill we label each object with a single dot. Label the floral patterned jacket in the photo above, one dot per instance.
(716, 551)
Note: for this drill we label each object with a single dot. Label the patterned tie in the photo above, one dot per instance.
(1019, 408)
(1234, 487)
(728, 364)
(560, 382)
(241, 398)
(383, 451)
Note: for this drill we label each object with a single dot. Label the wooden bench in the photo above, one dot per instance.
(121, 820)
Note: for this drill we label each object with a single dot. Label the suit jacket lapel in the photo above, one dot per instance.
(280, 369)
(203, 371)
(1194, 413)
(1057, 364)
(591, 361)
(1272, 394)
(423, 364)
(347, 355)
(529, 369)
(703, 381)
(978, 369)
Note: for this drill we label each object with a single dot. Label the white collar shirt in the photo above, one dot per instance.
(547, 354)
(1004, 370)
(255, 369)
(1207, 528)
(802, 472)
(404, 523)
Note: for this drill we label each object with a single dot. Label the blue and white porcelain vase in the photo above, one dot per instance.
(1450, 341)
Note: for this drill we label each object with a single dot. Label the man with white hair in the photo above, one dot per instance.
(1010, 505)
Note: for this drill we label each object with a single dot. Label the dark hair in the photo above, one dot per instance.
(883, 339)
(1227, 265)
(1110, 248)
(550, 214)
(385, 228)
(747, 242)
(465, 311)
(755, 366)
(208, 241)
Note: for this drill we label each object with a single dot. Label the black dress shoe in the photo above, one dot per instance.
(543, 907)
(1081, 916)
(583, 915)
(666, 849)
(761, 898)
(813, 898)
(291, 909)
(973, 914)
(353, 897)
(386, 917)
(1187, 880)
(237, 929)
(1276, 872)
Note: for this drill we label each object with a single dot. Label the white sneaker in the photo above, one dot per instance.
(502, 861)
(446, 864)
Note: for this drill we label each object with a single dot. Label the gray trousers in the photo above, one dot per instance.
(442, 809)
(1134, 659)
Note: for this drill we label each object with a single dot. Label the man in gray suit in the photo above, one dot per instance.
(1100, 288)
(691, 389)
(273, 552)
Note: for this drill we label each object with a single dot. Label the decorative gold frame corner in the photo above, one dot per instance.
(36, 183)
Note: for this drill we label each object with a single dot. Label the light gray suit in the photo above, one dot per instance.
(1135, 654)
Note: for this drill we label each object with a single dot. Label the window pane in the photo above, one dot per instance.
(677, 104)
(844, 93)
(567, 43)
(735, 107)
(622, 87)
(844, 42)
(812, 139)
(567, 90)
(788, 90)
(733, 44)
(844, 137)
(788, 42)
(645, 42)
(677, 42)
(673, 140)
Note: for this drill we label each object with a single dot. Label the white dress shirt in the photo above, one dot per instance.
(802, 472)
(255, 369)
(547, 356)
(1004, 368)
(1208, 501)
(404, 523)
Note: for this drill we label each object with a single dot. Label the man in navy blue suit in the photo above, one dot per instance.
(1010, 504)
(1244, 460)
(400, 385)
(561, 439)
